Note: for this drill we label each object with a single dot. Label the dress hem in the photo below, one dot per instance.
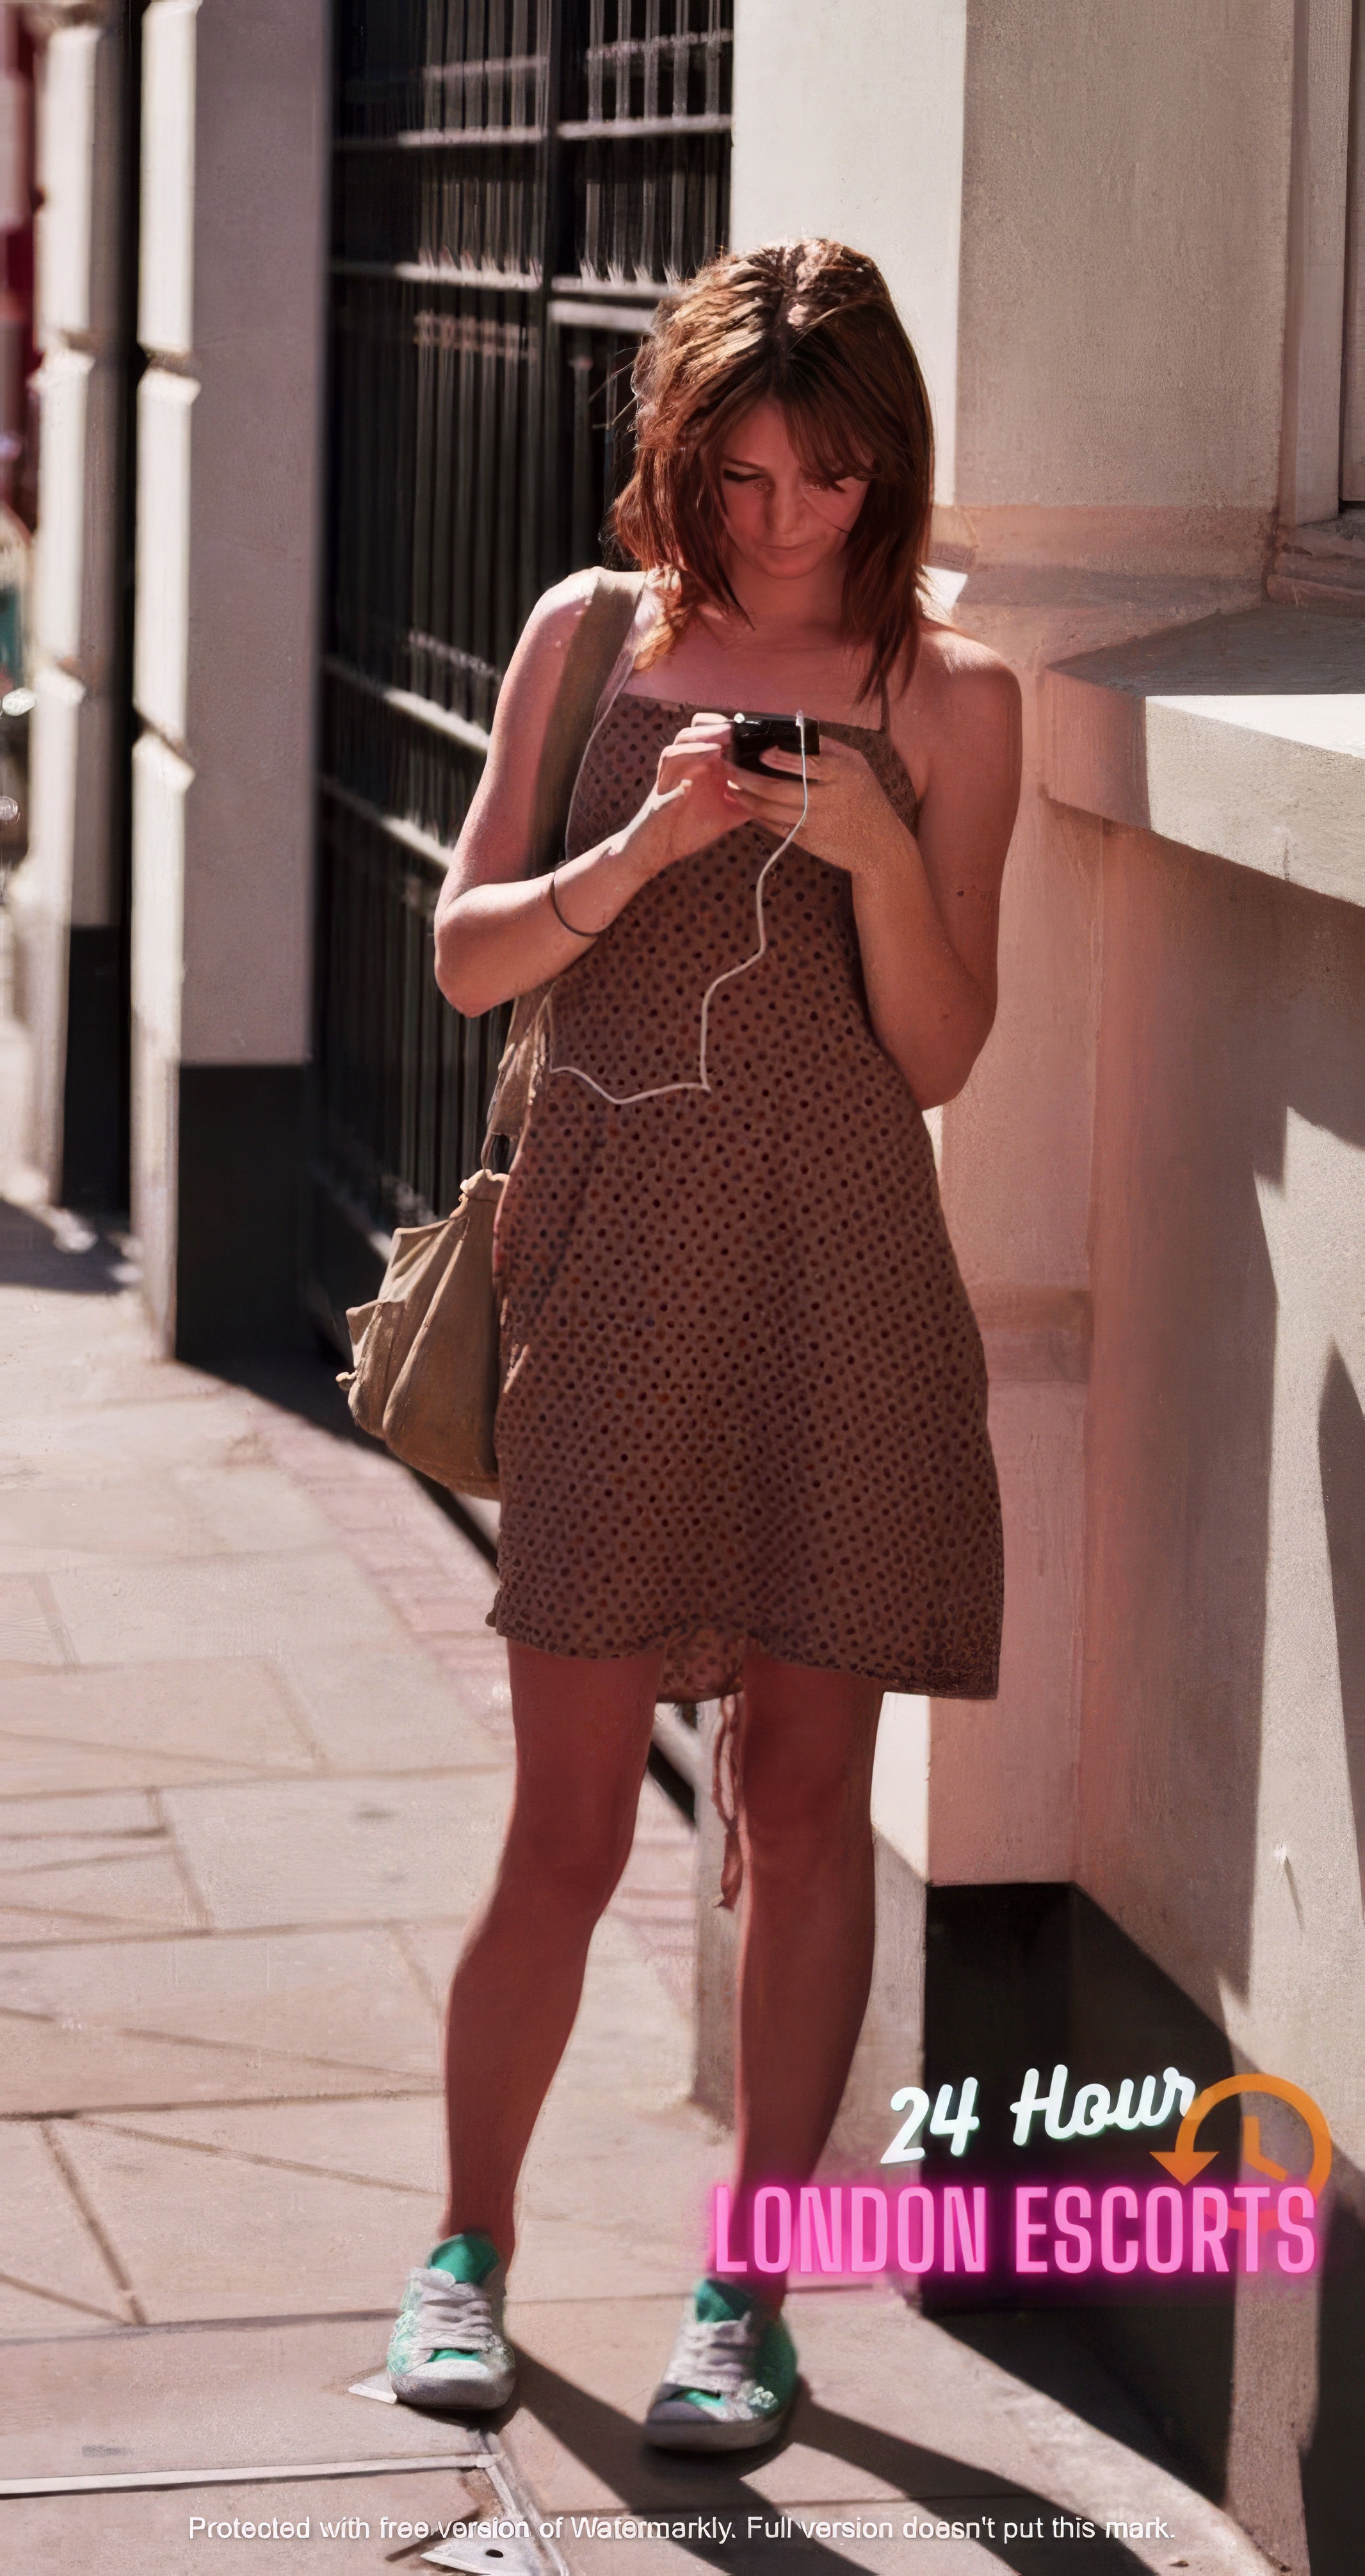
(918, 1685)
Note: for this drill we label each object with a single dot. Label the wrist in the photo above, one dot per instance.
(643, 845)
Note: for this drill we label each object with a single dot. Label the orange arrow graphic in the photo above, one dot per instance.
(1184, 2160)
(1251, 2150)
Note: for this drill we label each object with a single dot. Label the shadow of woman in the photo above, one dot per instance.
(657, 2486)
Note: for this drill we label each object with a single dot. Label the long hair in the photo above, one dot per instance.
(809, 325)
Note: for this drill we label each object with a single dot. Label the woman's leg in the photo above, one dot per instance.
(582, 1732)
(806, 1959)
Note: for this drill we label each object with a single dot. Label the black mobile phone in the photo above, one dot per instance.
(751, 736)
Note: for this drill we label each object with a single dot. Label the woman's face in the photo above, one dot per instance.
(776, 516)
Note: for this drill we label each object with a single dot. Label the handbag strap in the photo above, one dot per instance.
(596, 651)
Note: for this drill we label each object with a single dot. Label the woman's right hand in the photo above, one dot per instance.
(691, 803)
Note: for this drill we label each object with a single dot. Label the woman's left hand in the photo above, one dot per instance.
(852, 823)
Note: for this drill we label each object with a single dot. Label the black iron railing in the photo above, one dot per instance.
(517, 183)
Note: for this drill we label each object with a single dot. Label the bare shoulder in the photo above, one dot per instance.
(546, 636)
(558, 611)
(495, 838)
(959, 682)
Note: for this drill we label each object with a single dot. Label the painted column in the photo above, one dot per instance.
(229, 447)
(67, 899)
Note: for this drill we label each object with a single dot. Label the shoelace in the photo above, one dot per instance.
(455, 2316)
(716, 2358)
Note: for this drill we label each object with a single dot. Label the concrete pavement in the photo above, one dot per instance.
(254, 1756)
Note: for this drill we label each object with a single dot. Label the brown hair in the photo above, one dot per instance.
(809, 325)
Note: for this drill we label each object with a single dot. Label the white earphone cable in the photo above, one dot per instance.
(662, 1091)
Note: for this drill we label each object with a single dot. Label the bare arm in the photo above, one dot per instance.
(497, 933)
(926, 903)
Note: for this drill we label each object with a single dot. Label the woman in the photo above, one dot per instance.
(742, 1437)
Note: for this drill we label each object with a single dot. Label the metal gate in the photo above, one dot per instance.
(516, 183)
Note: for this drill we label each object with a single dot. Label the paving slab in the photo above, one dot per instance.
(894, 2408)
(395, 1710)
(253, 2016)
(202, 2396)
(247, 1505)
(49, 1526)
(395, 2145)
(47, 2070)
(30, 1638)
(206, 2235)
(125, 1611)
(356, 1850)
(279, 1638)
(30, 2315)
(32, 1825)
(32, 1766)
(150, 2535)
(46, 2244)
(20, 1928)
(75, 1437)
(182, 1718)
(135, 1890)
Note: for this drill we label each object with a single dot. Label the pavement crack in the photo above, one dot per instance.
(79, 1833)
(298, 1718)
(254, 2049)
(60, 2299)
(106, 1927)
(397, 1933)
(44, 1594)
(209, 1763)
(110, 2125)
(94, 2225)
(194, 1896)
(81, 1860)
(81, 2111)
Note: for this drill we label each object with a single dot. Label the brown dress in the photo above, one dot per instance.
(744, 1395)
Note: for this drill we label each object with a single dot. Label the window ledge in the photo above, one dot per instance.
(1241, 735)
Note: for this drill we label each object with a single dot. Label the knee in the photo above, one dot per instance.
(800, 1836)
(570, 1877)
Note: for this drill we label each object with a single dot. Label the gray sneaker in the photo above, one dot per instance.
(448, 2348)
(731, 2379)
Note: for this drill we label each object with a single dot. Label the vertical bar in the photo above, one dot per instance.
(441, 620)
(597, 11)
(532, 458)
(715, 55)
(508, 488)
(584, 538)
(1353, 355)
(642, 249)
(481, 534)
(426, 327)
(462, 621)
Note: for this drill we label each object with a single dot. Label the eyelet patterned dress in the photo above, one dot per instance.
(744, 1396)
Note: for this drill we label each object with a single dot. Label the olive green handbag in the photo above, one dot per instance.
(426, 1378)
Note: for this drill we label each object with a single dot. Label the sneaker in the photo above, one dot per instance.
(731, 2379)
(448, 2348)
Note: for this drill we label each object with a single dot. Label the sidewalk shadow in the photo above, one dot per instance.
(34, 1255)
(652, 2486)
(304, 1383)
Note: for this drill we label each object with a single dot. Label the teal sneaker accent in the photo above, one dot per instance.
(731, 2378)
(470, 2257)
(448, 2348)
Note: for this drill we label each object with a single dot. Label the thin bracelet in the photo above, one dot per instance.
(566, 925)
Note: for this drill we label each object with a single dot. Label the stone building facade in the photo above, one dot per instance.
(1127, 241)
